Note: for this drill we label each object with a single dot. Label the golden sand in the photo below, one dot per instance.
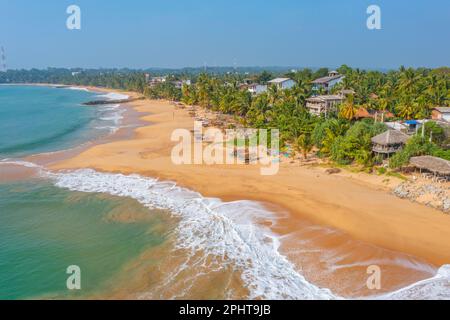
(360, 205)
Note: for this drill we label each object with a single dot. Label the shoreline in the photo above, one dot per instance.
(124, 130)
(296, 195)
(363, 209)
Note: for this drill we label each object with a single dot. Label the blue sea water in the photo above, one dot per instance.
(45, 229)
(99, 222)
(43, 119)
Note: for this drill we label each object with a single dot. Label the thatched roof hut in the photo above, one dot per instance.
(389, 142)
(391, 137)
(433, 164)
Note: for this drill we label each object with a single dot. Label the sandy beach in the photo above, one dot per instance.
(360, 206)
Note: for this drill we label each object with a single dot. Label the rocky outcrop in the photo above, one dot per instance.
(432, 195)
(104, 102)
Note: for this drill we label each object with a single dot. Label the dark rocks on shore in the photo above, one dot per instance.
(104, 102)
(431, 195)
(333, 171)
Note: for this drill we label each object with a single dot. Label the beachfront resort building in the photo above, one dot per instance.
(441, 114)
(282, 83)
(323, 105)
(327, 83)
(389, 142)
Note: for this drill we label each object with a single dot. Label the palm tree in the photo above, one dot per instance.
(348, 110)
(273, 94)
(406, 110)
(304, 145)
(408, 80)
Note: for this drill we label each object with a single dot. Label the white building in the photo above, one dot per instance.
(156, 80)
(282, 83)
(328, 82)
(180, 83)
(257, 88)
(442, 114)
(323, 104)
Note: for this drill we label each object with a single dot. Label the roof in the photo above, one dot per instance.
(279, 80)
(443, 110)
(327, 79)
(255, 85)
(325, 98)
(433, 164)
(396, 125)
(364, 113)
(347, 91)
(391, 137)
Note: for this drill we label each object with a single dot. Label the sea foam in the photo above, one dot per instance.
(79, 89)
(114, 96)
(230, 230)
(213, 227)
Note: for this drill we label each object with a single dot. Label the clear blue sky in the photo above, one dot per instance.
(178, 33)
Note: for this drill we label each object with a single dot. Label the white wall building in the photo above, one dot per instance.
(282, 83)
(257, 88)
(328, 82)
(323, 105)
(442, 114)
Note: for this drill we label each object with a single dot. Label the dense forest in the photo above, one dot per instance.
(407, 93)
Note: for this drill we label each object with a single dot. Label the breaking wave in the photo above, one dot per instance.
(229, 230)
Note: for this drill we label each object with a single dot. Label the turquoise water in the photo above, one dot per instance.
(45, 229)
(43, 119)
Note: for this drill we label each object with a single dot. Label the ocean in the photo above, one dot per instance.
(45, 229)
(138, 237)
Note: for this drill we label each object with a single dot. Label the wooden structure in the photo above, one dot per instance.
(389, 142)
(437, 166)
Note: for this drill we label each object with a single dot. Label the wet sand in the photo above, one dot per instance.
(368, 225)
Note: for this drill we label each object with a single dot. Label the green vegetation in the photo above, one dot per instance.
(418, 146)
(356, 145)
(407, 93)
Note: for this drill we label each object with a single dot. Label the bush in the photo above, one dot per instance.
(326, 132)
(416, 146)
(441, 153)
(356, 144)
(432, 129)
